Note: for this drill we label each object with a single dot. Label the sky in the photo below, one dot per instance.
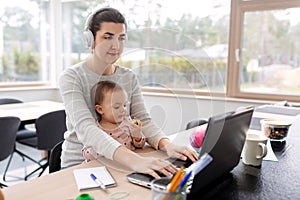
(194, 7)
(25, 4)
(169, 8)
(172, 9)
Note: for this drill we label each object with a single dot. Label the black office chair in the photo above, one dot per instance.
(54, 161)
(50, 129)
(8, 133)
(23, 133)
(196, 122)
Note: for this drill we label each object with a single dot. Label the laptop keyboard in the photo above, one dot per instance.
(178, 163)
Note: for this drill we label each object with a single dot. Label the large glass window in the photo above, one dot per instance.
(170, 45)
(265, 49)
(271, 52)
(177, 46)
(173, 47)
(24, 41)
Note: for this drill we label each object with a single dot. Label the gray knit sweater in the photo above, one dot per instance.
(75, 85)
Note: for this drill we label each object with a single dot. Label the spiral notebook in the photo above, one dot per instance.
(84, 180)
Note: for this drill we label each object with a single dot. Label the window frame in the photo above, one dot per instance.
(238, 8)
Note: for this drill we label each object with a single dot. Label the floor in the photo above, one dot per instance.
(19, 168)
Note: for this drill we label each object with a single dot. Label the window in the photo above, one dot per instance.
(24, 41)
(271, 51)
(267, 51)
(233, 48)
(171, 46)
(179, 47)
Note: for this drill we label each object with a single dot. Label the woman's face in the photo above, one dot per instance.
(110, 41)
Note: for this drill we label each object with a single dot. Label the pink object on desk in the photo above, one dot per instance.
(197, 136)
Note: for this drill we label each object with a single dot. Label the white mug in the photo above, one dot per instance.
(255, 149)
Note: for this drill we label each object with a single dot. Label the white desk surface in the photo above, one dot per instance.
(29, 110)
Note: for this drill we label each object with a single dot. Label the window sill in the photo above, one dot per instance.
(215, 98)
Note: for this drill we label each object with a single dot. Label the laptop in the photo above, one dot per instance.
(224, 140)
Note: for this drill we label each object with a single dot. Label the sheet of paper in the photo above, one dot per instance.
(270, 155)
(84, 180)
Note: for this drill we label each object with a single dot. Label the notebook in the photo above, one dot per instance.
(84, 180)
(224, 140)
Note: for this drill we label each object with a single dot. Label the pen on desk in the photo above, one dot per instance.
(175, 185)
(183, 185)
(185, 179)
(175, 180)
(98, 181)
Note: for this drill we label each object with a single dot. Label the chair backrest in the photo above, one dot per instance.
(196, 122)
(8, 133)
(54, 161)
(9, 101)
(50, 129)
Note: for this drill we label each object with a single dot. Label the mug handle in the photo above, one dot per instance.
(264, 150)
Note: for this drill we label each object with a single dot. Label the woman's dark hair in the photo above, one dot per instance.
(105, 15)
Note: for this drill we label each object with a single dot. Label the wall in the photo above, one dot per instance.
(173, 113)
(32, 94)
(170, 112)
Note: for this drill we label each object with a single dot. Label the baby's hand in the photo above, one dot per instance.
(136, 129)
(135, 122)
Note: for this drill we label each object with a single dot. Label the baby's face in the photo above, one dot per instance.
(114, 106)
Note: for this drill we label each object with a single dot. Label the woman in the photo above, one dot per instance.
(105, 33)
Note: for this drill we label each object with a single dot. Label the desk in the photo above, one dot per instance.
(274, 180)
(61, 186)
(29, 111)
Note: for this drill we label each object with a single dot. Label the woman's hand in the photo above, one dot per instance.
(176, 151)
(151, 165)
(148, 165)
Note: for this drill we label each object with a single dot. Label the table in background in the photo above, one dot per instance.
(29, 111)
(289, 114)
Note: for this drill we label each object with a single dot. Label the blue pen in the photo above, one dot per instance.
(185, 179)
(98, 181)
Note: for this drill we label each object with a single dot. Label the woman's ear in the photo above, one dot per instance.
(99, 109)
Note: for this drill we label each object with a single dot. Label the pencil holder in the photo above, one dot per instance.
(159, 191)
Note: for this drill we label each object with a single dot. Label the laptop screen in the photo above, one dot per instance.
(224, 140)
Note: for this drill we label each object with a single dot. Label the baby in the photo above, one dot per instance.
(110, 105)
